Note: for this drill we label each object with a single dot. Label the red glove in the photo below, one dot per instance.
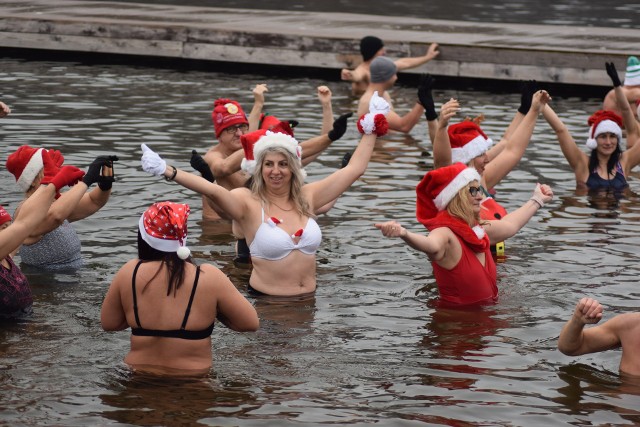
(52, 160)
(67, 175)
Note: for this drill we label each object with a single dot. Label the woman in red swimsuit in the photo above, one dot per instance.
(448, 204)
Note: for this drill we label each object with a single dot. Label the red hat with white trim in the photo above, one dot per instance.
(440, 186)
(467, 141)
(227, 113)
(603, 121)
(164, 227)
(257, 142)
(25, 164)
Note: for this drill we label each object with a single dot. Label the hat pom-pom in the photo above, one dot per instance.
(249, 166)
(183, 252)
(591, 144)
(373, 123)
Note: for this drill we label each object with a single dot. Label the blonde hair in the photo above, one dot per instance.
(297, 180)
(461, 207)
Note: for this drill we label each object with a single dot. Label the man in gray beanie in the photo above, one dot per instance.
(372, 47)
(383, 77)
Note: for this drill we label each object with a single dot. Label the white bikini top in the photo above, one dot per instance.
(273, 243)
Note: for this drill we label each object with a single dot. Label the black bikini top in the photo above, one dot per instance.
(176, 333)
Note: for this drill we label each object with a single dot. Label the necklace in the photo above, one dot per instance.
(282, 209)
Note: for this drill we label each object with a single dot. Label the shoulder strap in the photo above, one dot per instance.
(193, 292)
(135, 298)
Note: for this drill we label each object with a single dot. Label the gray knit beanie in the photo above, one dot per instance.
(382, 69)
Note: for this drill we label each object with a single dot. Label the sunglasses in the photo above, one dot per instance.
(475, 190)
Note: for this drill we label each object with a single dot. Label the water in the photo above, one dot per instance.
(371, 347)
(615, 14)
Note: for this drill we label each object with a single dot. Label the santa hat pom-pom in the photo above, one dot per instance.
(249, 166)
(373, 123)
(381, 124)
(183, 252)
(591, 143)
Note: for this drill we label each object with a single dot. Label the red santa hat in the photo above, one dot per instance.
(467, 141)
(164, 227)
(227, 113)
(440, 186)
(25, 164)
(4, 216)
(603, 121)
(255, 143)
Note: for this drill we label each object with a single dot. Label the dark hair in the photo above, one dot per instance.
(174, 264)
(611, 163)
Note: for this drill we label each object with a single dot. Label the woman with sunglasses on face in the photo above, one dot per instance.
(448, 205)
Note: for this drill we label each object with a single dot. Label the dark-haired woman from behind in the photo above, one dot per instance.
(170, 303)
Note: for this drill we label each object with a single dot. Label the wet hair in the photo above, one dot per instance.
(175, 265)
(611, 163)
(460, 207)
(297, 180)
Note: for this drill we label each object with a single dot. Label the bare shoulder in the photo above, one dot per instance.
(626, 322)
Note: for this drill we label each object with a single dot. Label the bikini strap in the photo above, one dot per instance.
(135, 298)
(193, 293)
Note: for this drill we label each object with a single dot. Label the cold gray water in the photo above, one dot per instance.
(371, 347)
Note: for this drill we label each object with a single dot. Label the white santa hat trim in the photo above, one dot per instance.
(276, 140)
(163, 245)
(472, 149)
(605, 126)
(449, 192)
(31, 170)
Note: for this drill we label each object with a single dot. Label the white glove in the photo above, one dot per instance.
(378, 105)
(152, 162)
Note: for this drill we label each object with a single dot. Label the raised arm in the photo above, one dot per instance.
(258, 105)
(407, 122)
(441, 143)
(34, 211)
(324, 96)
(371, 125)
(578, 161)
(231, 202)
(100, 172)
(516, 144)
(510, 224)
(314, 146)
(412, 62)
(574, 340)
(425, 97)
(622, 103)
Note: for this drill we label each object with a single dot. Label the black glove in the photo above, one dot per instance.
(94, 172)
(527, 90)
(198, 163)
(611, 70)
(339, 127)
(425, 98)
(345, 160)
